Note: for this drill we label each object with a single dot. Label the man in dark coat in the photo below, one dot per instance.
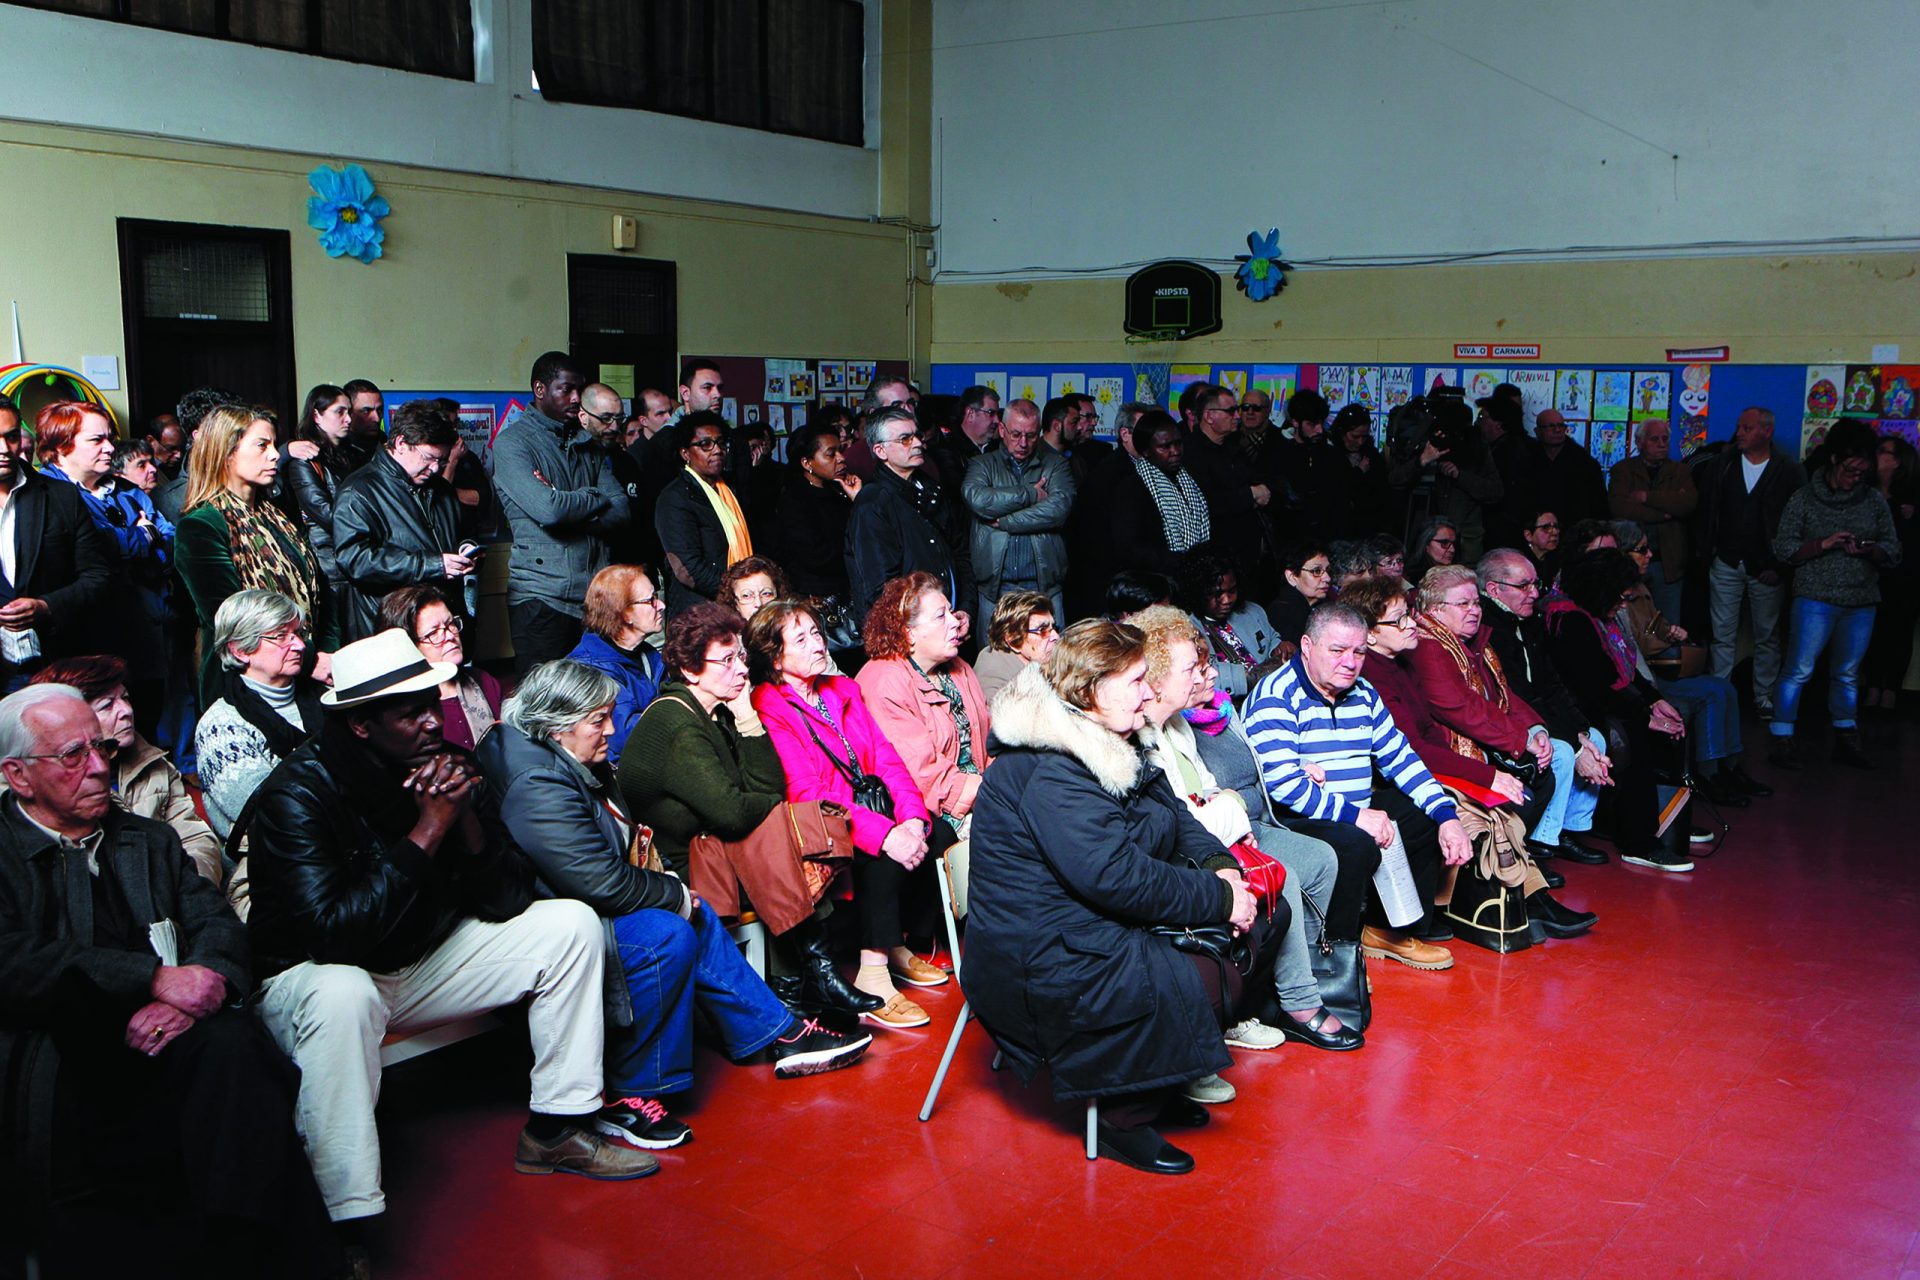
(1235, 497)
(901, 519)
(55, 569)
(697, 542)
(603, 416)
(1520, 462)
(396, 523)
(1568, 480)
(121, 975)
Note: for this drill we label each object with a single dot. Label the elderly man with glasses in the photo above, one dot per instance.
(1020, 496)
(1236, 498)
(901, 516)
(125, 961)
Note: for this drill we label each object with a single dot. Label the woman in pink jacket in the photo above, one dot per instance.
(831, 749)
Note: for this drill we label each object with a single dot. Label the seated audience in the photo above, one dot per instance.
(470, 701)
(232, 538)
(1132, 590)
(1438, 543)
(810, 520)
(142, 779)
(1078, 845)
(396, 522)
(689, 770)
(702, 526)
(1316, 711)
(1348, 560)
(1182, 682)
(1389, 557)
(265, 709)
(831, 749)
(548, 762)
(1239, 636)
(135, 1034)
(623, 607)
(925, 697)
(1024, 629)
(385, 899)
(1306, 573)
(1542, 537)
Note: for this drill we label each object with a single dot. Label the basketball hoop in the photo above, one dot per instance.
(1151, 355)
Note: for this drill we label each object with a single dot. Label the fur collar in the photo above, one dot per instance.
(1027, 713)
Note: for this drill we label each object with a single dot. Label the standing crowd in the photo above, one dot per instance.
(1203, 720)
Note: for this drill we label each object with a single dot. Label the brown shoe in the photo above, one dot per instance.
(1384, 944)
(918, 973)
(583, 1152)
(899, 1013)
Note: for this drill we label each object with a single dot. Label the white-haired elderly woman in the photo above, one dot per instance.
(266, 707)
(548, 760)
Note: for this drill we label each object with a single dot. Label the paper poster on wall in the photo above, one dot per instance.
(1234, 380)
(1363, 387)
(750, 414)
(1479, 383)
(1608, 444)
(619, 377)
(833, 375)
(796, 416)
(1066, 384)
(1026, 386)
(1907, 429)
(1573, 392)
(1612, 395)
(1823, 390)
(833, 397)
(476, 425)
(1812, 432)
(1396, 388)
(730, 408)
(800, 388)
(1107, 395)
(1182, 376)
(1442, 378)
(1279, 381)
(1898, 386)
(777, 418)
(1696, 391)
(995, 381)
(1333, 385)
(859, 378)
(1652, 393)
(1860, 397)
(780, 379)
(1536, 393)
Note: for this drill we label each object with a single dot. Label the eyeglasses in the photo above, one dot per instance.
(608, 418)
(1253, 408)
(1404, 622)
(1529, 586)
(757, 597)
(711, 444)
(444, 631)
(1472, 602)
(1228, 409)
(76, 755)
(1546, 528)
(910, 438)
(1444, 542)
(285, 636)
(731, 658)
(651, 602)
(1043, 629)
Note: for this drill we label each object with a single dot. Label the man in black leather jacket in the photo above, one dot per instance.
(384, 901)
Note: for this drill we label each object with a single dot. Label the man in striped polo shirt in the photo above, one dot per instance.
(1319, 731)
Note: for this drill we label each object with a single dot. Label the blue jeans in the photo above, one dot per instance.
(1711, 708)
(668, 963)
(1571, 806)
(1814, 625)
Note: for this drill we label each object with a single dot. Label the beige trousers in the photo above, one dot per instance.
(331, 1018)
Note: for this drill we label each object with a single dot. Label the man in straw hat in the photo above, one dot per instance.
(382, 902)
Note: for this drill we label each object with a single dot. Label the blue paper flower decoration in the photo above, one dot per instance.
(346, 213)
(1262, 273)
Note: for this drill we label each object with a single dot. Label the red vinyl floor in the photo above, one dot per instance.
(1722, 1079)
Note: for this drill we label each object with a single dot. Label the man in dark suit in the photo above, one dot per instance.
(55, 571)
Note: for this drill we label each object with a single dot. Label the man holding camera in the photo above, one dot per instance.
(1439, 466)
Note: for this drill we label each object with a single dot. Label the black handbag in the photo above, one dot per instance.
(1487, 913)
(1214, 942)
(1340, 971)
(838, 626)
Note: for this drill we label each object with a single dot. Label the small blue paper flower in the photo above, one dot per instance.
(346, 213)
(1261, 273)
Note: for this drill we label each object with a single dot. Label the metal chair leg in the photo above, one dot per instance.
(946, 1061)
(1093, 1126)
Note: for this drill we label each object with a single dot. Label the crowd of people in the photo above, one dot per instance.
(1211, 715)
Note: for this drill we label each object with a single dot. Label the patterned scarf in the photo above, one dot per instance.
(951, 691)
(1494, 690)
(1183, 508)
(269, 553)
(1612, 638)
(1212, 718)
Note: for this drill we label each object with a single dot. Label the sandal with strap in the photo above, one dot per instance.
(1309, 1032)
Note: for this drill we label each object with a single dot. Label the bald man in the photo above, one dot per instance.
(603, 415)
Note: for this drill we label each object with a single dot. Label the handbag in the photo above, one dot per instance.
(1488, 913)
(1340, 971)
(1214, 942)
(785, 864)
(838, 626)
(1264, 875)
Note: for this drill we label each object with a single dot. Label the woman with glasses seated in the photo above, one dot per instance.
(1023, 630)
(1307, 578)
(1240, 638)
(623, 607)
(470, 702)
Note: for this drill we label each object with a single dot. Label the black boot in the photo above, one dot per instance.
(1781, 752)
(1556, 918)
(820, 980)
(1746, 782)
(786, 989)
(1848, 751)
(1725, 792)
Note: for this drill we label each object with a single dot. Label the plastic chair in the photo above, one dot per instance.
(953, 905)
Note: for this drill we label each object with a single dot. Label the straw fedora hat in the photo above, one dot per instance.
(382, 666)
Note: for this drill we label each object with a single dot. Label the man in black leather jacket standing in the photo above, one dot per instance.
(382, 902)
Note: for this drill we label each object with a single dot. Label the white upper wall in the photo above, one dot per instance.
(1089, 135)
(60, 69)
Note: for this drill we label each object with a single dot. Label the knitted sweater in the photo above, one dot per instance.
(234, 761)
(1835, 577)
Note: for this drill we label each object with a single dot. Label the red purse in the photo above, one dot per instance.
(1265, 876)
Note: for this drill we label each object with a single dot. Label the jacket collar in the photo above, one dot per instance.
(1029, 714)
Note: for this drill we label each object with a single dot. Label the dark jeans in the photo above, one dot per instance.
(540, 634)
(215, 1110)
(894, 902)
(670, 964)
(1359, 858)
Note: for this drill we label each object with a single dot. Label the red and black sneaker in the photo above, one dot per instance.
(641, 1122)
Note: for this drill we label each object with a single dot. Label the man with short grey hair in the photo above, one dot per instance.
(1020, 496)
(899, 520)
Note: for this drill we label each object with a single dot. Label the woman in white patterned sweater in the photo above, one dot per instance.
(265, 709)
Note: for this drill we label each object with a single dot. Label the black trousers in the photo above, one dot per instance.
(540, 634)
(1358, 857)
(207, 1122)
(1224, 986)
(894, 902)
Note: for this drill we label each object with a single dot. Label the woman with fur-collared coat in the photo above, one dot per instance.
(1078, 848)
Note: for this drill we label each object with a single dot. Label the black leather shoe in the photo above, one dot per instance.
(1782, 753)
(1747, 782)
(1573, 851)
(1182, 1112)
(1432, 928)
(1143, 1149)
(820, 980)
(1724, 793)
(1559, 920)
(1553, 878)
(1310, 1032)
(1848, 751)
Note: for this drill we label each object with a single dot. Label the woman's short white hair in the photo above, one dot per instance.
(16, 740)
(245, 618)
(558, 695)
(1443, 578)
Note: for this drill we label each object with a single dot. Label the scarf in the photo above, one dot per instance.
(472, 698)
(1212, 718)
(1228, 647)
(1183, 508)
(281, 736)
(1612, 639)
(732, 519)
(1492, 685)
(269, 553)
(958, 705)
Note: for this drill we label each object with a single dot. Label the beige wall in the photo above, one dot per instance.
(474, 283)
(1768, 309)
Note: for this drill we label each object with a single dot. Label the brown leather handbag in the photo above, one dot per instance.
(786, 864)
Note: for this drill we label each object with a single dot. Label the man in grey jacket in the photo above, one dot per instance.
(559, 493)
(1020, 495)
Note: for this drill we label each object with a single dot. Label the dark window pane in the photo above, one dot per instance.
(592, 52)
(681, 56)
(739, 77)
(815, 49)
(197, 278)
(619, 297)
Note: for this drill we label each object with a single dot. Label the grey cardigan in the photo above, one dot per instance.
(562, 517)
(1835, 577)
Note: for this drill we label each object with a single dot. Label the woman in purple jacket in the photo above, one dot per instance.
(828, 742)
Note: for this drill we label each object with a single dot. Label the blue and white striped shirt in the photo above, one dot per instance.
(1289, 722)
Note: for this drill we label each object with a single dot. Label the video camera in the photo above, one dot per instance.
(1439, 417)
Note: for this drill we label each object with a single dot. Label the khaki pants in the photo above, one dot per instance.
(331, 1018)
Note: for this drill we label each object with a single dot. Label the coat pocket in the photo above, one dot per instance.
(1099, 979)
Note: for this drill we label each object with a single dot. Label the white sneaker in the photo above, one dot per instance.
(1255, 1034)
(1210, 1089)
